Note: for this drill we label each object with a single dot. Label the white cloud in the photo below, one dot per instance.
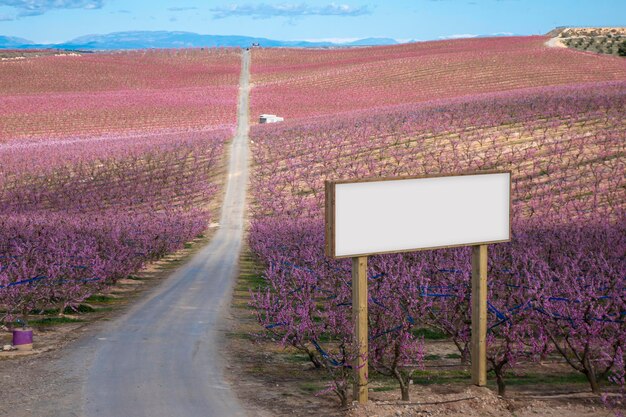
(266, 11)
(181, 9)
(459, 36)
(333, 40)
(38, 7)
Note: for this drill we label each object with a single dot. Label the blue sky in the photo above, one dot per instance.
(61, 20)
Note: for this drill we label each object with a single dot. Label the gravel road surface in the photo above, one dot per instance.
(162, 358)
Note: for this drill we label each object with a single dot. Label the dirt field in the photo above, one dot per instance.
(455, 400)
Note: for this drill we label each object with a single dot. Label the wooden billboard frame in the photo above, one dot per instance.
(329, 212)
(359, 283)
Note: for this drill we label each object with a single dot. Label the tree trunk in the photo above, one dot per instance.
(342, 393)
(464, 350)
(500, 382)
(404, 389)
(313, 358)
(404, 384)
(590, 373)
(593, 381)
(465, 356)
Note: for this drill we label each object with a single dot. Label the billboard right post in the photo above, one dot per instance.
(478, 345)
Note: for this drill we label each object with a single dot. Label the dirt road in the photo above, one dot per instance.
(555, 43)
(162, 358)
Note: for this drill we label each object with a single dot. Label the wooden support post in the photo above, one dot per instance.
(359, 317)
(478, 348)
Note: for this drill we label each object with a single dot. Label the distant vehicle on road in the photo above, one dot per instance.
(270, 118)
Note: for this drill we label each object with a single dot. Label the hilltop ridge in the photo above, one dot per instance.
(603, 40)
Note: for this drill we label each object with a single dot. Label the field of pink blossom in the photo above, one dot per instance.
(107, 161)
(301, 83)
(77, 215)
(556, 291)
(103, 93)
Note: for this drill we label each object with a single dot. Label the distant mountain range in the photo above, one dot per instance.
(9, 42)
(165, 39)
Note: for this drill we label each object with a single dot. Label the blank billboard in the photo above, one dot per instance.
(374, 216)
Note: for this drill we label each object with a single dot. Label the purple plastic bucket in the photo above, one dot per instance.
(23, 339)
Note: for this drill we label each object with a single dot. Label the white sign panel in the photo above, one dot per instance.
(399, 215)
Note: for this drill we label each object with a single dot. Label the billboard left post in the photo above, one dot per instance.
(359, 317)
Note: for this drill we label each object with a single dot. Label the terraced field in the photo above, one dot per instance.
(92, 94)
(304, 83)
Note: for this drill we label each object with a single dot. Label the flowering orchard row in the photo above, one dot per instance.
(302, 83)
(558, 288)
(59, 96)
(79, 214)
(561, 142)
(125, 70)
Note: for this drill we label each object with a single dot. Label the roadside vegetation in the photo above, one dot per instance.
(53, 328)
